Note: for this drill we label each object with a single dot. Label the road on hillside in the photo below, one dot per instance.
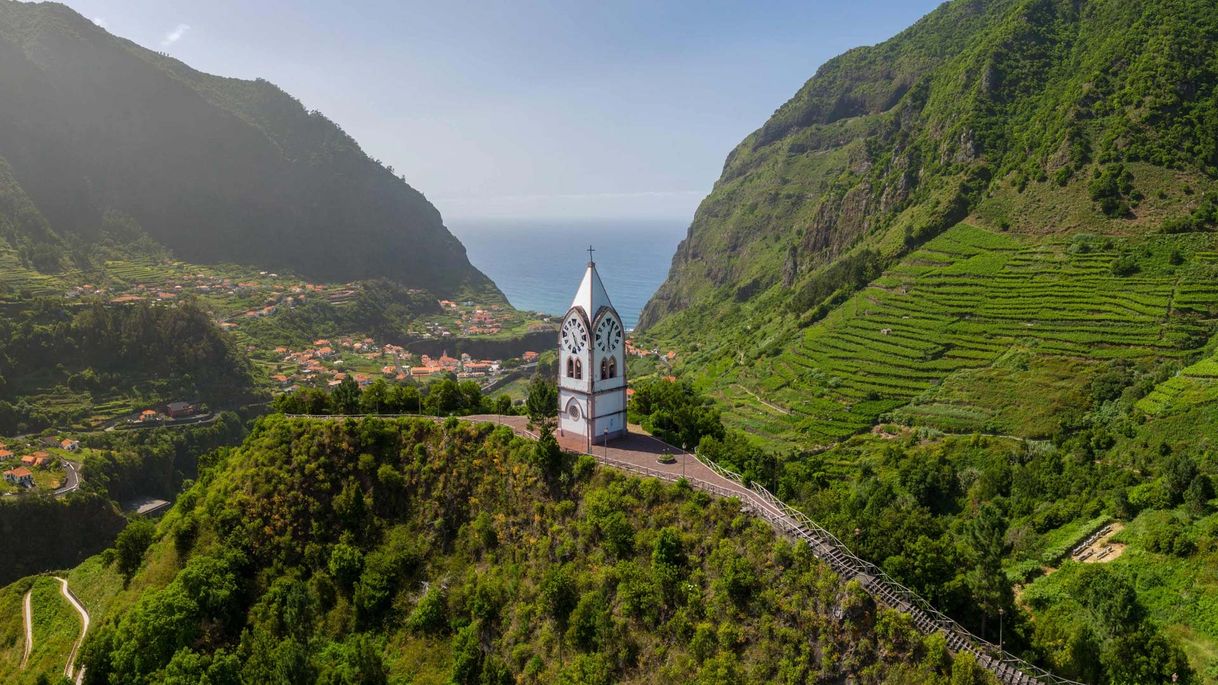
(84, 629)
(71, 479)
(201, 420)
(27, 614)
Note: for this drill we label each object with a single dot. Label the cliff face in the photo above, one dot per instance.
(888, 145)
(101, 136)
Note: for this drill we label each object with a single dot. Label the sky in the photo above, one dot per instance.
(547, 109)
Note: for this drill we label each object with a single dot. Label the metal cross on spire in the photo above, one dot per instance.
(590, 251)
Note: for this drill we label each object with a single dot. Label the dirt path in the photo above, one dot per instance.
(27, 613)
(775, 407)
(70, 669)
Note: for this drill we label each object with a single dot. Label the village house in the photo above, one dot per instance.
(6, 454)
(149, 415)
(177, 410)
(20, 476)
(37, 460)
(70, 445)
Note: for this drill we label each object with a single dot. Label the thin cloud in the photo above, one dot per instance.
(175, 35)
(581, 196)
(101, 22)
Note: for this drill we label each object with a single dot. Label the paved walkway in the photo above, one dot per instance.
(642, 452)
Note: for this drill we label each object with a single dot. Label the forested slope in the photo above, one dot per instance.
(64, 365)
(378, 550)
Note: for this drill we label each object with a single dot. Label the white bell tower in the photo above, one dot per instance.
(592, 364)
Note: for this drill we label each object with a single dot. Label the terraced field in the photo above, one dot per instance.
(1193, 385)
(17, 278)
(925, 333)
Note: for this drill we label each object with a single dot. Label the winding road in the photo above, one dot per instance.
(70, 669)
(28, 614)
(71, 479)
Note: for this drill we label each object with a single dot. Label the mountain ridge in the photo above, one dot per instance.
(256, 170)
(890, 144)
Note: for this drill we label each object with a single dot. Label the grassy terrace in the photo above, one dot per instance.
(923, 339)
(1193, 385)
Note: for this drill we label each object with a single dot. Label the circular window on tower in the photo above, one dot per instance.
(573, 411)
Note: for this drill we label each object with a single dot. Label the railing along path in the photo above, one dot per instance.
(1007, 667)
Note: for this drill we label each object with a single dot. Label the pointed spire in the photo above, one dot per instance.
(591, 295)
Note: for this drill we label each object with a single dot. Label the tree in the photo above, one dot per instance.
(443, 397)
(346, 565)
(375, 398)
(547, 453)
(987, 582)
(346, 397)
(541, 402)
(503, 404)
(676, 412)
(131, 544)
(1198, 495)
(559, 593)
(405, 399)
(1178, 475)
(467, 655)
(430, 615)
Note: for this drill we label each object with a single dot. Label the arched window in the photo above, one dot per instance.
(605, 369)
(579, 369)
(613, 368)
(570, 368)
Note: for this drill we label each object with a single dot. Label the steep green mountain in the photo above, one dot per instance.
(381, 551)
(1009, 194)
(100, 138)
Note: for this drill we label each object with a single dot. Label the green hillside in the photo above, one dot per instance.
(961, 226)
(1001, 221)
(66, 366)
(410, 551)
(1007, 108)
(102, 140)
(975, 331)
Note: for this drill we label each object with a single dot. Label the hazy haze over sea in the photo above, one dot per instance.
(538, 264)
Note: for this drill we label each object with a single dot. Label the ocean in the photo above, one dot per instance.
(538, 264)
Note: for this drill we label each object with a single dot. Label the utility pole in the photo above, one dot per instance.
(1001, 611)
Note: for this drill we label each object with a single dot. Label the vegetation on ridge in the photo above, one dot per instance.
(413, 551)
